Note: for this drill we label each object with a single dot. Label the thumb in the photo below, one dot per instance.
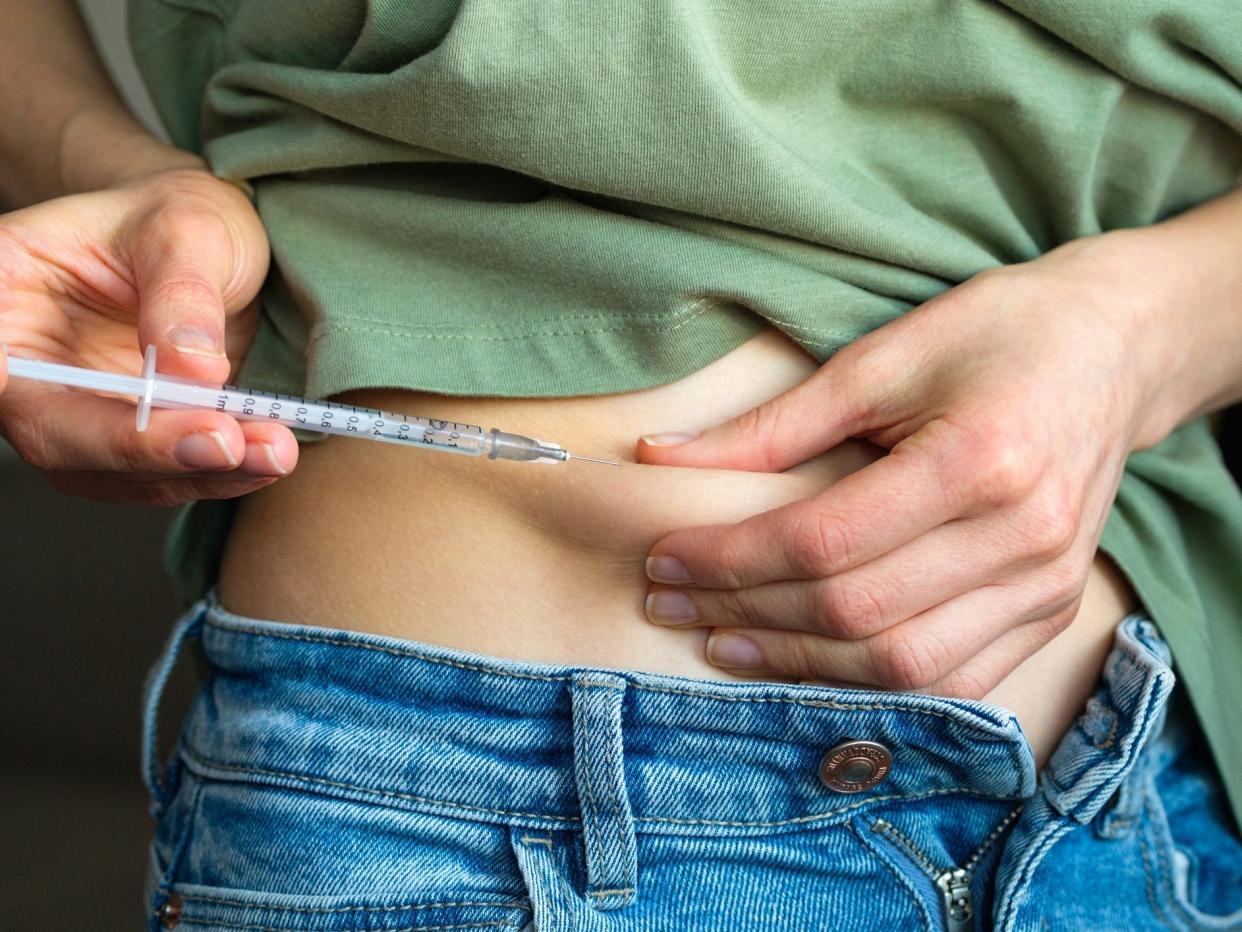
(181, 273)
(786, 430)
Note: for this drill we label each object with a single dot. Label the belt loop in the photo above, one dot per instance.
(1120, 721)
(599, 773)
(188, 626)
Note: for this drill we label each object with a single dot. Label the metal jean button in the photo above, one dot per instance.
(854, 766)
(170, 912)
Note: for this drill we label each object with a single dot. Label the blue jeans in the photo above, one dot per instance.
(332, 780)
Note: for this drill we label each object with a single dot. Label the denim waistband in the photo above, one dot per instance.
(410, 724)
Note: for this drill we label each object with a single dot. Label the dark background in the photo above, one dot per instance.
(85, 609)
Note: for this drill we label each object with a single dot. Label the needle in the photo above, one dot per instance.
(579, 456)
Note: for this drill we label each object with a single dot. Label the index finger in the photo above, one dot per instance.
(860, 517)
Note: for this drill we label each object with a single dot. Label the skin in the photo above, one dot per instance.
(120, 241)
(1008, 406)
(1007, 431)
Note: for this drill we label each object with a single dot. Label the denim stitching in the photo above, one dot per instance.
(224, 901)
(400, 652)
(600, 683)
(1112, 731)
(193, 761)
(832, 812)
(1125, 654)
(583, 763)
(394, 651)
(1149, 710)
(902, 879)
(1156, 910)
(615, 774)
(611, 892)
(178, 853)
(190, 921)
(1035, 855)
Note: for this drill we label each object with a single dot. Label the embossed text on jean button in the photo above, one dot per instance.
(853, 766)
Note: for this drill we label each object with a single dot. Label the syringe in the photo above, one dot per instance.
(166, 391)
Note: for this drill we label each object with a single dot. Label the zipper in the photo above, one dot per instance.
(952, 883)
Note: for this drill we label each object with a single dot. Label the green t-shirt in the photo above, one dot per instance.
(558, 197)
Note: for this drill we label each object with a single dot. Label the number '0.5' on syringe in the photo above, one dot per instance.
(155, 390)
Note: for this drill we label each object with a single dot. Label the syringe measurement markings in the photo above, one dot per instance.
(430, 426)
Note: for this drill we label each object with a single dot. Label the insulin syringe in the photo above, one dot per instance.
(154, 390)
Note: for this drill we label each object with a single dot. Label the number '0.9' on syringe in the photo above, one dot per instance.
(155, 390)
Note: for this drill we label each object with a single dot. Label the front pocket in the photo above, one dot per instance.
(262, 857)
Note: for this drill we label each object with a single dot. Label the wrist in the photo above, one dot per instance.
(1191, 266)
(99, 149)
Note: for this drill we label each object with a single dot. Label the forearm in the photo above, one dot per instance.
(63, 127)
(1199, 327)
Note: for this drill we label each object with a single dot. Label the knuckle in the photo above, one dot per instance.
(867, 362)
(1059, 621)
(729, 558)
(29, 438)
(905, 662)
(1065, 581)
(1001, 469)
(819, 544)
(125, 451)
(737, 607)
(189, 219)
(1051, 527)
(964, 684)
(11, 259)
(185, 289)
(763, 425)
(795, 657)
(850, 609)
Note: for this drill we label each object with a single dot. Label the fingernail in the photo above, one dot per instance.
(667, 570)
(195, 340)
(732, 650)
(669, 439)
(670, 607)
(204, 450)
(270, 455)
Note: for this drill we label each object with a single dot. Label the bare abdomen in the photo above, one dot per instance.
(545, 562)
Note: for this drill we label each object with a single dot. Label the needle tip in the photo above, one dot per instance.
(590, 460)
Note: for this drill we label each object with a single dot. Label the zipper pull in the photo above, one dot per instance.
(959, 911)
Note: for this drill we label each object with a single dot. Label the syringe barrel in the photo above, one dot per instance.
(157, 390)
(174, 392)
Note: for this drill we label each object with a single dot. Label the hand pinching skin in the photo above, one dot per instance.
(1008, 406)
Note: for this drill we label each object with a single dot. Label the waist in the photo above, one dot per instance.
(499, 740)
(545, 563)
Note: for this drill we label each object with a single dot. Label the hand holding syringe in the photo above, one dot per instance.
(153, 389)
(174, 259)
